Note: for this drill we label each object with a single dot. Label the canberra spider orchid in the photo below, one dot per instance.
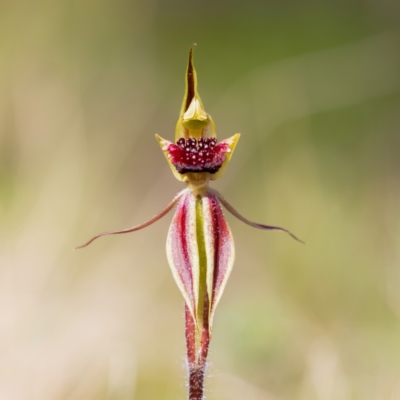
(200, 247)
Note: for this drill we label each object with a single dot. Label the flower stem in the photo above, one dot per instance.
(197, 344)
(196, 383)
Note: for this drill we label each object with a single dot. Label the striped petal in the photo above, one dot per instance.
(182, 250)
(220, 250)
(200, 252)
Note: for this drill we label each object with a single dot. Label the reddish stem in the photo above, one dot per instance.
(196, 382)
(197, 359)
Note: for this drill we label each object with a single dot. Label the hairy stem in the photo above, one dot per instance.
(196, 382)
(196, 353)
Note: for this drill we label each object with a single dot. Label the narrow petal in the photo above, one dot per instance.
(248, 222)
(220, 250)
(182, 250)
(141, 226)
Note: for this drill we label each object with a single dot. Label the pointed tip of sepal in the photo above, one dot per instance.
(193, 119)
(191, 81)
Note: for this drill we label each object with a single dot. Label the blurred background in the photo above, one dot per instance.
(314, 88)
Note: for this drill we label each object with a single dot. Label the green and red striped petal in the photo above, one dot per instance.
(200, 252)
(220, 250)
(182, 250)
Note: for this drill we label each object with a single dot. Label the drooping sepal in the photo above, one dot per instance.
(257, 225)
(182, 251)
(200, 252)
(220, 251)
(158, 216)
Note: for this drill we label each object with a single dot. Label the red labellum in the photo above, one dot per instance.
(202, 155)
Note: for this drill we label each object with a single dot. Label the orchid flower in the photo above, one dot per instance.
(200, 248)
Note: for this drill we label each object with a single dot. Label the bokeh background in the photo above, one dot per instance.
(314, 88)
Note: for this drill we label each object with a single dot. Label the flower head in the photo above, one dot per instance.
(196, 149)
(200, 248)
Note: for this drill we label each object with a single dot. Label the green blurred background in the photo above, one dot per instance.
(314, 88)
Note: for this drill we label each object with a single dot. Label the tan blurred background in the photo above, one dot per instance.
(314, 88)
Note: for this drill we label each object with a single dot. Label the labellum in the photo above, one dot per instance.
(200, 248)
